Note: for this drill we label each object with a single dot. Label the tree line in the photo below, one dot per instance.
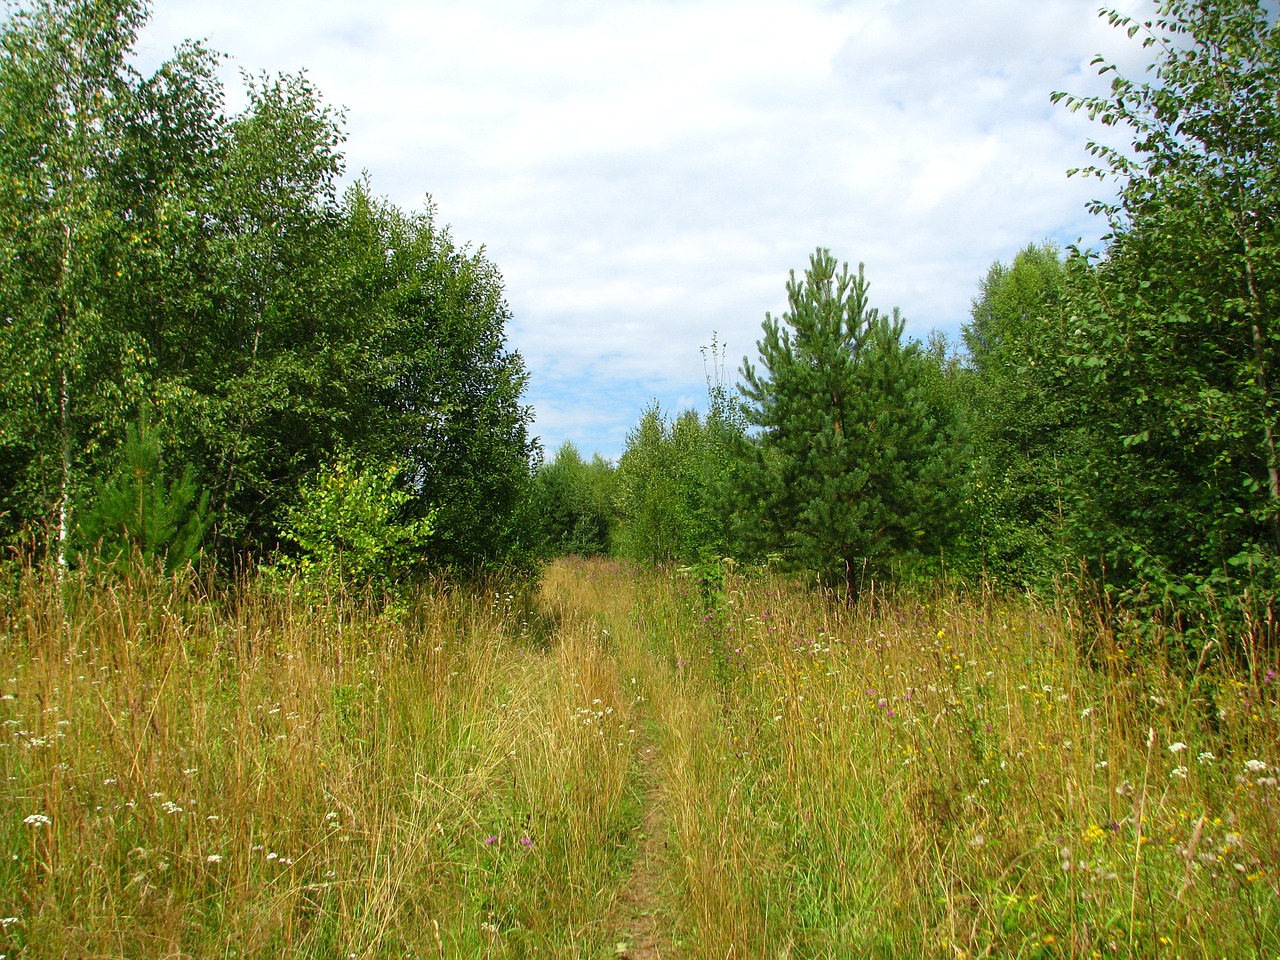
(1110, 417)
(209, 350)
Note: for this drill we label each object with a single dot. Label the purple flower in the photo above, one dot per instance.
(526, 842)
(490, 841)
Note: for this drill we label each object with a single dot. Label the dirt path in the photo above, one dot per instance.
(642, 924)
(640, 916)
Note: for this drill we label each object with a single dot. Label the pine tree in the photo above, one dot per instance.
(137, 514)
(853, 473)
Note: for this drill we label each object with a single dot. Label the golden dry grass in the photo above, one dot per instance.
(281, 770)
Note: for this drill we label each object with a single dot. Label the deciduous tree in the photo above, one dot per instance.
(1174, 346)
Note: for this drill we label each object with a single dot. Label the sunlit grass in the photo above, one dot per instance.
(284, 770)
(284, 773)
(970, 777)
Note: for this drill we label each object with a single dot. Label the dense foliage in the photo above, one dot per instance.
(1025, 431)
(164, 260)
(1170, 350)
(1113, 419)
(206, 346)
(851, 469)
(574, 500)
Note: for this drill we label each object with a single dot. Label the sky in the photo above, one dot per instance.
(646, 173)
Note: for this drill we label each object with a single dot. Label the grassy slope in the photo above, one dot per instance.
(303, 774)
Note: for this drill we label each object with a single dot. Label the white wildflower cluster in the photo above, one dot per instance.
(1256, 767)
(32, 741)
(594, 715)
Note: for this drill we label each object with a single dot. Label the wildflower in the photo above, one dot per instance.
(1177, 747)
(1205, 757)
(490, 841)
(1125, 789)
(1179, 772)
(1255, 766)
(37, 820)
(526, 842)
(213, 858)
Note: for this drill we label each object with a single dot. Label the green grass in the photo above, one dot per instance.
(284, 771)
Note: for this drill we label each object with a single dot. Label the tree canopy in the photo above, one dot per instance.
(852, 471)
(164, 259)
(1172, 345)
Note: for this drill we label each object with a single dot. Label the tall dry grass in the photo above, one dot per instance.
(287, 771)
(962, 777)
(281, 770)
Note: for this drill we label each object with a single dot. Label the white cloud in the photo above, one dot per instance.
(646, 172)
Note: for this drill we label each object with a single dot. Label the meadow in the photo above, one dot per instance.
(621, 762)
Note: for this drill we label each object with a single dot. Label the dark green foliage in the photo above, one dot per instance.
(575, 503)
(852, 471)
(158, 253)
(448, 398)
(138, 515)
(1171, 348)
(1025, 435)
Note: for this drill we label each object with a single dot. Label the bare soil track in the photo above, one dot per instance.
(642, 926)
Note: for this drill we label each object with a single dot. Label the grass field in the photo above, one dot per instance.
(624, 763)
